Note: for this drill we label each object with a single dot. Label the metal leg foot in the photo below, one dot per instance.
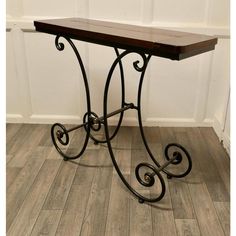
(141, 201)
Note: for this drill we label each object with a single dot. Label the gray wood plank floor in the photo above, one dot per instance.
(47, 196)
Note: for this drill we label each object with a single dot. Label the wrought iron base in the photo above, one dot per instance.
(91, 121)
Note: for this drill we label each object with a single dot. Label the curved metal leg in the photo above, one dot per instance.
(149, 179)
(167, 155)
(122, 105)
(91, 121)
(58, 131)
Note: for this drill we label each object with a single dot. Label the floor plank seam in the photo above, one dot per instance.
(86, 205)
(219, 220)
(108, 204)
(42, 208)
(66, 203)
(172, 211)
(27, 192)
(26, 196)
(7, 187)
(44, 201)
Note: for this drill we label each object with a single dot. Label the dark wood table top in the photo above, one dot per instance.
(159, 42)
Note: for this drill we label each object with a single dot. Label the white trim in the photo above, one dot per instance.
(21, 70)
(26, 24)
(14, 118)
(177, 122)
(223, 137)
(128, 121)
(164, 122)
(226, 143)
(218, 128)
(49, 119)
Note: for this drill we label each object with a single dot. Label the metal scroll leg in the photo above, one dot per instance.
(59, 134)
(173, 158)
(149, 177)
(171, 150)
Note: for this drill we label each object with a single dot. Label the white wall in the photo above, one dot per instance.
(44, 85)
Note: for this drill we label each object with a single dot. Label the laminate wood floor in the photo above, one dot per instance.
(48, 196)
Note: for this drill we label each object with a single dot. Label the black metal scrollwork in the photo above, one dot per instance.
(148, 180)
(60, 46)
(91, 121)
(58, 134)
(178, 160)
(136, 63)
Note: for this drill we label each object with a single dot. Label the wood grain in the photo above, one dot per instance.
(22, 136)
(11, 173)
(208, 220)
(47, 222)
(47, 196)
(160, 42)
(74, 210)
(140, 217)
(163, 222)
(221, 158)
(33, 202)
(223, 212)
(118, 211)
(94, 222)
(181, 200)
(11, 130)
(123, 151)
(18, 190)
(183, 136)
(21, 157)
(206, 160)
(187, 227)
(58, 194)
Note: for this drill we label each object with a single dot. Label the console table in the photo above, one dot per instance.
(145, 42)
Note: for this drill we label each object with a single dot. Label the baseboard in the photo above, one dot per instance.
(177, 122)
(14, 118)
(43, 119)
(50, 119)
(127, 121)
(226, 143)
(223, 137)
(217, 128)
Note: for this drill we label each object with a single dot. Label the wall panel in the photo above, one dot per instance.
(220, 81)
(184, 11)
(55, 76)
(219, 12)
(122, 10)
(171, 84)
(13, 104)
(49, 8)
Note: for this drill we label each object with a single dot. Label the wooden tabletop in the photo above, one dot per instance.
(159, 42)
